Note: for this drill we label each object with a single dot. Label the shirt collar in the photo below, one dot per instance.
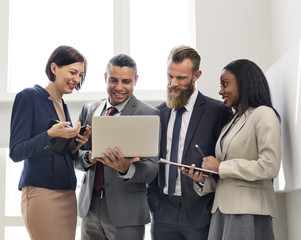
(191, 101)
(119, 106)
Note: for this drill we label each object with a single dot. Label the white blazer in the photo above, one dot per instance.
(250, 160)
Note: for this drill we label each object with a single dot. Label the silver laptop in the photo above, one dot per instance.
(133, 135)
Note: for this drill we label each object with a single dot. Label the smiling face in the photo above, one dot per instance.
(67, 77)
(229, 89)
(120, 83)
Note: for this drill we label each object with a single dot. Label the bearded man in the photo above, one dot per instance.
(188, 118)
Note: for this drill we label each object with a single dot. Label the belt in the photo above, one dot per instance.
(99, 194)
(173, 200)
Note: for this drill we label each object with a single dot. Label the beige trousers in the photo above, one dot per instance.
(49, 214)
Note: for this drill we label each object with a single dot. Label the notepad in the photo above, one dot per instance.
(60, 145)
(135, 136)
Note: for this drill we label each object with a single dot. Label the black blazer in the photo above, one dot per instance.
(207, 120)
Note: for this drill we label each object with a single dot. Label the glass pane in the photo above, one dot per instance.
(77, 234)
(12, 194)
(38, 27)
(79, 176)
(13, 233)
(156, 27)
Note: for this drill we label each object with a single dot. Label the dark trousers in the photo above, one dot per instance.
(170, 222)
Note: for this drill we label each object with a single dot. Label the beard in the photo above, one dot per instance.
(179, 100)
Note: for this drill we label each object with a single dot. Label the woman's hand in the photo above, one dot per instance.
(63, 130)
(211, 163)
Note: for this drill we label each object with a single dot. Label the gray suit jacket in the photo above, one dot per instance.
(250, 160)
(126, 198)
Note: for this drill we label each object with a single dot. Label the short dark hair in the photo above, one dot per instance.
(179, 53)
(253, 86)
(62, 56)
(122, 60)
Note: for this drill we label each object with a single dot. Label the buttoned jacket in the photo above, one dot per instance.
(29, 142)
(250, 160)
(125, 198)
(207, 119)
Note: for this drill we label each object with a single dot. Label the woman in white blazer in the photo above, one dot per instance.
(247, 157)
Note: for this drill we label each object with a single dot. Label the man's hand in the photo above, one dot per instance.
(194, 174)
(82, 139)
(117, 161)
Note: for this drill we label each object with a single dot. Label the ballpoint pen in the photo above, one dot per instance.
(200, 150)
(202, 155)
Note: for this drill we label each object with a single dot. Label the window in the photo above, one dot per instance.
(156, 27)
(12, 203)
(32, 29)
(88, 26)
(38, 27)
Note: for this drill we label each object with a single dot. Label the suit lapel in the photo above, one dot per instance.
(237, 127)
(165, 115)
(98, 108)
(197, 112)
(164, 118)
(130, 107)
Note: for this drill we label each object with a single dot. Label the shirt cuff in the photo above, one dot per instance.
(198, 187)
(130, 173)
(86, 161)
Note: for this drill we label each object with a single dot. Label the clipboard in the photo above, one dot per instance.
(187, 166)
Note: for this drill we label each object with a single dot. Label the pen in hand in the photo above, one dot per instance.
(200, 150)
(202, 155)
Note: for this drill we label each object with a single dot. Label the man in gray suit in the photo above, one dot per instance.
(119, 209)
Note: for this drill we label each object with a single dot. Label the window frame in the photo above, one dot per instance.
(121, 16)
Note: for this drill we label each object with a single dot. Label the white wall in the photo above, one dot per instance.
(284, 80)
(262, 31)
(286, 28)
(229, 30)
(286, 35)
